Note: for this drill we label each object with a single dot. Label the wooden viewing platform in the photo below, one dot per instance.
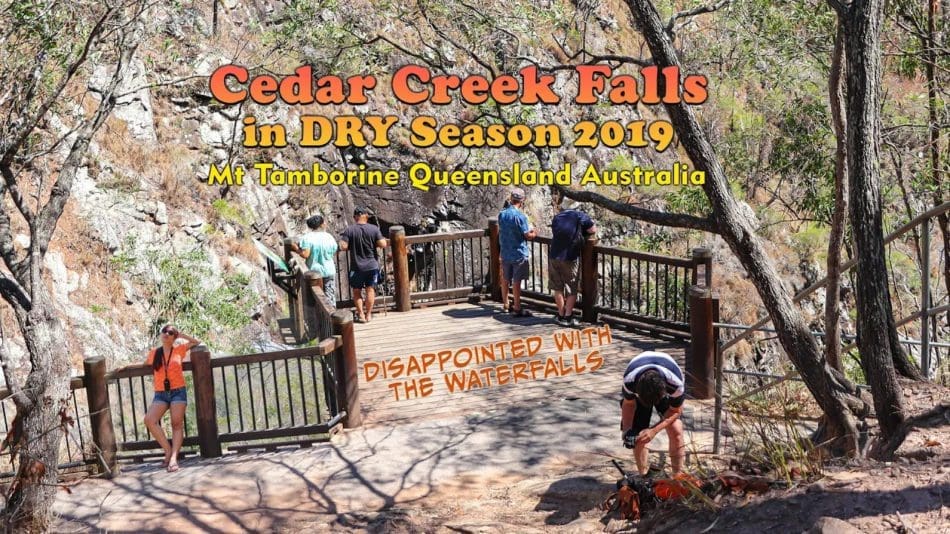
(465, 325)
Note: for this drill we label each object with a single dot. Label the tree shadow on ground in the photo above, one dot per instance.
(567, 498)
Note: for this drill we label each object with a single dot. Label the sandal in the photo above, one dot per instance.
(521, 313)
(172, 468)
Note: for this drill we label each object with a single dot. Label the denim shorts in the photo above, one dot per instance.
(174, 396)
(364, 279)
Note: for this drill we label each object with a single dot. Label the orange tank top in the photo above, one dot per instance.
(176, 375)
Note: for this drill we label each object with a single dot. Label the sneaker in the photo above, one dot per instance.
(573, 321)
(558, 320)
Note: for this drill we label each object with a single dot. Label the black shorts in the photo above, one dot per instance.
(364, 279)
(641, 418)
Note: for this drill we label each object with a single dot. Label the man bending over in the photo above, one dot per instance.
(653, 380)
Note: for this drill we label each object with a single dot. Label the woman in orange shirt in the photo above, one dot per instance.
(169, 381)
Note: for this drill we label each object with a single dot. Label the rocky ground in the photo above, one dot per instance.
(909, 494)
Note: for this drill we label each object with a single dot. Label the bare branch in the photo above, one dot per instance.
(51, 211)
(14, 294)
(675, 220)
(14, 190)
(27, 123)
(699, 10)
(839, 7)
(7, 251)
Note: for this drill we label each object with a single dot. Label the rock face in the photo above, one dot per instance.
(147, 173)
(134, 106)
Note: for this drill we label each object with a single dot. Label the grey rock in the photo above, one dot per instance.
(832, 525)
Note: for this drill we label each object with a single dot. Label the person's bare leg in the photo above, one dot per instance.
(628, 411)
(504, 295)
(516, 294)
(178, 431)
(641, 455)
(370, 301)
(675, 434)
(569, 302)
(153, 422)
(559, 302)
(358, 303)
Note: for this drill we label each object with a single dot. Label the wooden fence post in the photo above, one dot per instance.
(702, 257)
(100, 413)
(347, 370)
(205, 409)
(311, 319)
(397, 239)
(589, 281)
(700, 358)
(294, 304)
(494, 260)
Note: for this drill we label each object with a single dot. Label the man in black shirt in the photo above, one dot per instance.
(651, 381)
(570, 228)
(362, 238)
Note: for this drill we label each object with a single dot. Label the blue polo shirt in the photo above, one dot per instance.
(512, 226)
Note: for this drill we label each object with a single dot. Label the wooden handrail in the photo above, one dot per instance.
(446, 236)
(324, 348)
(943, 208)
(644, 256)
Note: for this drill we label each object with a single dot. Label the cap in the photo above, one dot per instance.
(517, 194)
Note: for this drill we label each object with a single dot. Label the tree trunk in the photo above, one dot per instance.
(738, 231)
(45, 394)
(934, 126)
(877, 333)
(836, 238)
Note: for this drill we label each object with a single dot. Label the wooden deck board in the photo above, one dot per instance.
(465, 325)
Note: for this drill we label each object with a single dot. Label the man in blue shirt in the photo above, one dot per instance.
(513, 234)
(318, 248)
(569, 230)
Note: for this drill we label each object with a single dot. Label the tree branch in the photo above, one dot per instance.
(699, 10)
(53, 209)
(675, 220)
(14, 294)
(28, 122)
(7, 250)
(839, 7)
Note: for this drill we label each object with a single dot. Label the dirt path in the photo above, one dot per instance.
(364, 471)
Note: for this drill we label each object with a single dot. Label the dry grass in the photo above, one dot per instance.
(115, 139)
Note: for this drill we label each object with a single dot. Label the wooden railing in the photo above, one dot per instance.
(649, 290)
(248, 401)
(77, 449)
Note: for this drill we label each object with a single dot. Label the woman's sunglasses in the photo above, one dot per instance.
(169, 331)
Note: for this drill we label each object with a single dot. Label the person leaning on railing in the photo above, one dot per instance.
(362, 239)
(318, 248)
(570, 228)
(514, 231)
(170, 392)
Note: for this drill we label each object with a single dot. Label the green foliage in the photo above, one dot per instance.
(811, 241)
(232, 213)
(182, 290)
